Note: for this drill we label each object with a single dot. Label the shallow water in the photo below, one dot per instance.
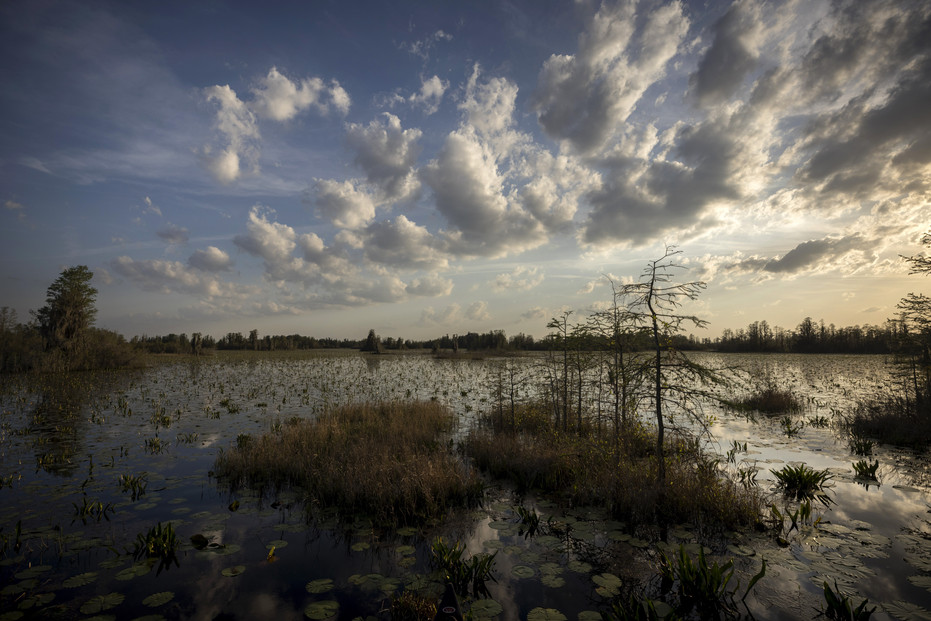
(62, 445)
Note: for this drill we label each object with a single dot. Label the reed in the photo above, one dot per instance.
(388, 460)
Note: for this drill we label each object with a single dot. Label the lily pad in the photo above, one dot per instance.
(522, 571)
(158, 599)
(133, 571)
(232, 572)
(589, 615)
(906, 611)
(360, 546)
(486, 609)
(80, 580)
(545, 614)
(921, 581)
(320, 586)
(102, 602)
(321, 610)
(579, 567)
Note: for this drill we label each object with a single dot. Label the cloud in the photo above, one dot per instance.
(423, 47)
(430, 94)
(151, 207)
(13, 205)
(534, 314)
(468, 192)
(584, 98)
(238, 126)
(849, 254)
(173, 234)
(210, 260)
(521, 278)
(478, 311)
(402, 243)
(343, 203)
(278, 98)
(430, 286)
(171, 277)
(387, 153)
(732, 55)
(489, 105)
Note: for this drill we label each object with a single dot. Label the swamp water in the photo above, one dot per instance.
(68, 521)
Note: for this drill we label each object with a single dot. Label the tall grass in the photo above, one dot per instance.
(595, 469)
(892, 419)
(387, 460)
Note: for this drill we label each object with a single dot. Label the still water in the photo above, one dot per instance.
(68, 523)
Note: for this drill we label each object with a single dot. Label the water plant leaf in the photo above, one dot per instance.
(545, 614)
(487, 609)
(232, 572)
(921, 581)
(133, 571)
(158, 599)
(11, 615)
(80, 580)
(405, 550)
(152, 617)
(321, 610)
(199, 541)
(907, 611)
(553, 581)
(101, 603)
(320, 586)
(579, 567)
(359, 546)
(276, 543)
(407, 531)
(522, 571)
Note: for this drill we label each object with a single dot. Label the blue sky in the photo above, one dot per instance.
(433, 167)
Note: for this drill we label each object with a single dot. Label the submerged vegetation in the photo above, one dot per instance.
(390, 461)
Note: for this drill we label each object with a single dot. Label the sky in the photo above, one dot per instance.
(427, 168)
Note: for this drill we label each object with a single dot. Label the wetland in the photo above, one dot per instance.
(96, 466)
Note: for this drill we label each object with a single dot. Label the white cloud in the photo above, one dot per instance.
(402, 243)
(343, 203)
(423, 47)
(489, 105)
(278, 98)
(388, 154)
(430, 286)
(521, 278)
(12, 205)
(237, 124)
(171, 277)
(478, 311)
(430, 94)
(151, 207)
(210, 260)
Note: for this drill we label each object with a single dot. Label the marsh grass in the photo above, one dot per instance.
(619, 473)
(388, 460)
(802, 482)
(892, 419)
(769, 400)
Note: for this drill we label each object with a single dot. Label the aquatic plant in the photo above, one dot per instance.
(92, 509)
(770, 399)
(840, 608)
(409, 606)
(703, 588)
(801, 516)
(159, 543)
(801, 482)
(134, 484)
(466, 575)
(386, 460)
(866, 470)
(860, 445)
(790, 427)
(819, 422)
(529, 520)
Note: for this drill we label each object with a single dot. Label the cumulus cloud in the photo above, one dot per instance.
(403, 243)
(12, 205)
(151, 207)
(388, 154)
(278, 98)
(210, 260)
(170, 277)
(173, 234)
(849, 253)
(430, 94)
(430, 286)
(241, 135)
(584, 98)
(489, 104)
(468, 192)
(478, 311)
(343, 203)
(521, 278)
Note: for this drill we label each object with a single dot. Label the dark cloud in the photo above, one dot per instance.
(730, 58)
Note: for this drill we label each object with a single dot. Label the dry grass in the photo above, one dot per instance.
(621, 475)
(387, 460)
(769, 400)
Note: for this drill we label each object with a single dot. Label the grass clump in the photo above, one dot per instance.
(386, 460)
(160, 543)
(770, 400)
(615, 470)
(840, 607)
(802, 482)
(892, 419)
(466, 575)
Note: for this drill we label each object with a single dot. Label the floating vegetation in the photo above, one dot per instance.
(158, 599)
(321, 610)
(409, 606)
(92, 509)
(860, 445)
(769, 399)
(101, 603)
(790, 428)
